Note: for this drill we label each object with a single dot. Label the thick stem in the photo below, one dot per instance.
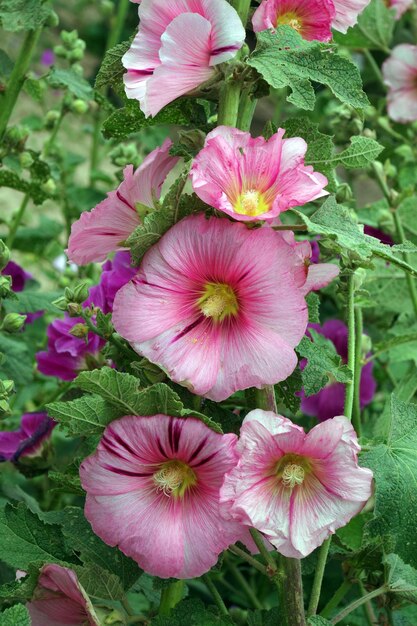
(291, 593)
(17, 78)
(16, 221)
(410, 280)
(229, 101)
(357, 603)
(170, 596)
(265, 398)
(336, 599)
(246, 111)
(356, 415)
(318, 578)
(215, 595)
(350, 314)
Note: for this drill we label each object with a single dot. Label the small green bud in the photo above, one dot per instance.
(359, 277)
(5, 286)
(13, 322)
(390, 169)
(79, 330)
(69, 38)
(74, 309)
(75, 55)
(18, 134)
(60, 52)
(344, 193)
(6, 387)
(51, 118)
(26, 159)
(80, 293)
(53, 20)
(366, 344)
(4, 255)
(4, 406)
(61, 303)
(69, 294)
(78, 69)
(79, 106)
(371, 134)
(49, 187)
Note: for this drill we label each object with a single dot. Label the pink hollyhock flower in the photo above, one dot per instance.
(254, 178)
(218, 306)
(311, 18)
(400, 75)
(178, 45)
(294, 487)
(109, 224)
(60, 599)
(347, 12)
(28, 439)
(153, 490)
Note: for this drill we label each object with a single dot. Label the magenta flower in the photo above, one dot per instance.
(48, 57)
(67, 355)
(400, 76)
(311, 18)
(28, 439)
(254, 178)
(378, 234)
(347, 12)
(296, 488)
(153, 490)
(18, 275)
(109, 224)
(60, 599)
(400, 6)
(163, 64)
(330, 401)
(218, 306)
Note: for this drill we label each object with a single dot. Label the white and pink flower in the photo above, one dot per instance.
(153, 490)
(109, 224)
(401, 6)
(347, 12)
(218, 306)
(60, 599)
(296, 488)
(254, 178)
(178, 45)
(400, 76)
(311, 18)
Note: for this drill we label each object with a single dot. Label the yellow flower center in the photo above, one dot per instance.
(174, 478)
(290, 19)
(251, 203)
(218, 301)
(291, 470)
(293, 475)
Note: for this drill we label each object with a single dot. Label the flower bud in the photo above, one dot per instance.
(13, 322)
(80, 293)
(25, 159)
(69, 38)
(61, 303)
(366, 344)
(5, 286)
(60, 51)
(17, 134)
(53, 20)
(74, 309)
(75, 55)
(79, 106)
(359, 277)
(4, 406)
(390, 169)
(6, 387)
(79, 330)
(49, 187)
(4, 255)
(344, 193)
(51, 118)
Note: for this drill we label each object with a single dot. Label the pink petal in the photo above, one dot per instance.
(319, 275)
(347, 12)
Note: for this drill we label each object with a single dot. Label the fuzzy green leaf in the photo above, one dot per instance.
(374, 29)
(288, 391)
(17, 615)
(192, 612)
(85, 416)
(117, 388)
(67, 79)
(360, 153)
(402, 578)
(18, 15)
(112, 70)
(98, 582)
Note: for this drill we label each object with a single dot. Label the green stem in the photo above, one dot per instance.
(351, 344)
(357, 603)
(245, 586)
(368, 608)
(291, 593)
(51, 141)
(16, 221)
(215, 595)
(410, 281)
(117, 24)
(17, 78)
(265, 398)
(267, 556)
(246, 110)
(356, 415)
(374, 66)
(170, 596)
(242, 7)
(229, 101)
(249, 559)
(318, 578)
(336, 598)
(95, 145)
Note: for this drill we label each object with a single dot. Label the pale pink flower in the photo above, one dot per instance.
(311, 18)
(109, 224)
(153, 490)
(401, 6)
(254, 178)
(347, 12)
(218, 306)
(178, 45)
(400, 75)
(60, 599)
(296, 488)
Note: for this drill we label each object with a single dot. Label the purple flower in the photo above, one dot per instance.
(27, 440)
(66, 355)
(18, 275)
(378, 234)
(329, 402)
(48, 57)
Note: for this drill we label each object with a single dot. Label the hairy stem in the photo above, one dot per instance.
(410, 280)
(249, 559)
(318, 578)
(291, 593)
(16, 221)
(356, 415)
(215, 595)
(247, 108)
(229, 101)
(357, 603)
(170, 596)
(17, 78)
(336, 598)
(350, 314)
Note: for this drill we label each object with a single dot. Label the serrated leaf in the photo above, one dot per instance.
(360, 153)
(283, 58)
(25, 539)
(68, 79)
(317, 620)
(119, 389)
(17, 364)
(323, 363)
(402, 578)
(67, 483)
(17, 15)
(302, 94)
(374, 29)
(17, 615)
(98, 582)
(288, 391)
(13, 181)
(394, 464)
(111, 69)
(85, 416)
(22, 589)
(192, 612)
(32, 301)
(313, 303)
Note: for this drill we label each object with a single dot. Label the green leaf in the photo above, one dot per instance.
(192, 612)
(67, 483)
(25, 539)
(130, 119)
(6, 65)
(34, 88)
(79, 536)
(374, 29)
(117, 388)
(313, 303)
(402, 578)
(360, 153)
(17, 15)
(17, 364)
(323, 363)
(35, 239)
(351, 535)
(85, 416)
(283, 58)
(272, 617)
(17, 615)
(302, 95)
(288, 391)
(394, 464)
(13, 181)
(98, 582)
(68, 79)
(21, 590)
(317, 620)
(31, 301)
(111, 69)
